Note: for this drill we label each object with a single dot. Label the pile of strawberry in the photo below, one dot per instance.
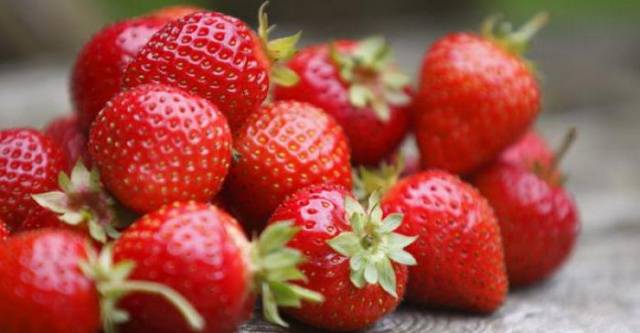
(192, 131)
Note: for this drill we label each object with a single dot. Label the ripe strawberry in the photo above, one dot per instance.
(281, 149)
(459, 250)
(358, 84)
(42, 288)
(353, 257)
(52, 281)
(4, 231)
(530, 151)
(175, 12)
(29, 163)
(217, 57)
(99, 69)
(40, 218)
(202, 252)
(476, 97)
(156, 144)
(538, 218)
(66, 132)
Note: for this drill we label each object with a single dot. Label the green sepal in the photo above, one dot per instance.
(516, 42)
(278, 50)
(373, 79)
(113, 283)
(372, 244)
(274, 267)
(284, 76)
(82, 201)
(368, 181)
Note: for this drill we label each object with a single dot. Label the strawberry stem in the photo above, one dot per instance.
(120, 288)
(112, 283)
(515, 42)
(567, 142)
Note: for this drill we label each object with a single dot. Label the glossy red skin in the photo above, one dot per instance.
(196, 249)
(4, 231)
(283, 148)
(99, 69)
(370, 138)
(319, 213)
(474, 100)
(530, 149)
(41, 286)
(29, 164)
(211, 55)
(459, 250)
(175, 12)
(538, 220)
(40, 218)
(66, 132)
(156, 144)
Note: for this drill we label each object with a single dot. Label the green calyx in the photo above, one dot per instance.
(83, 201)
(274, 265)
(368, 181)
(516, 42)
(278, 50)
(372, 245)
(373, 79)
(112, 284)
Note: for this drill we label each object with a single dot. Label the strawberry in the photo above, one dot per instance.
(358, 84)
(217, 57)
(42, 288)
(459, 250)
(353, 257)
(156, 144)
(66, 132)
(98, 71)
(202, 252)
(281, 149)
(4, 231)
(175, 12)
(40, 218)
(530, 151)
(476, 97)
(29, 163)
(538, 218)
(53, 281)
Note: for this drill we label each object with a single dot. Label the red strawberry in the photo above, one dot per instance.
(215, 56)
(29, 163)
(98, 71)
(459, 250)
(538, 218)
(42, 288)
(175, 12)
(4, 231)
(52, 281)
(357, 83)
(202, 252)
(40, 218)
(353, 257)
(156, 144)
(476, 97)
(529, 151)
(66, 132)
(281, 149)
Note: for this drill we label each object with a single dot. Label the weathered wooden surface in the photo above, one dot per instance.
(599, 288)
